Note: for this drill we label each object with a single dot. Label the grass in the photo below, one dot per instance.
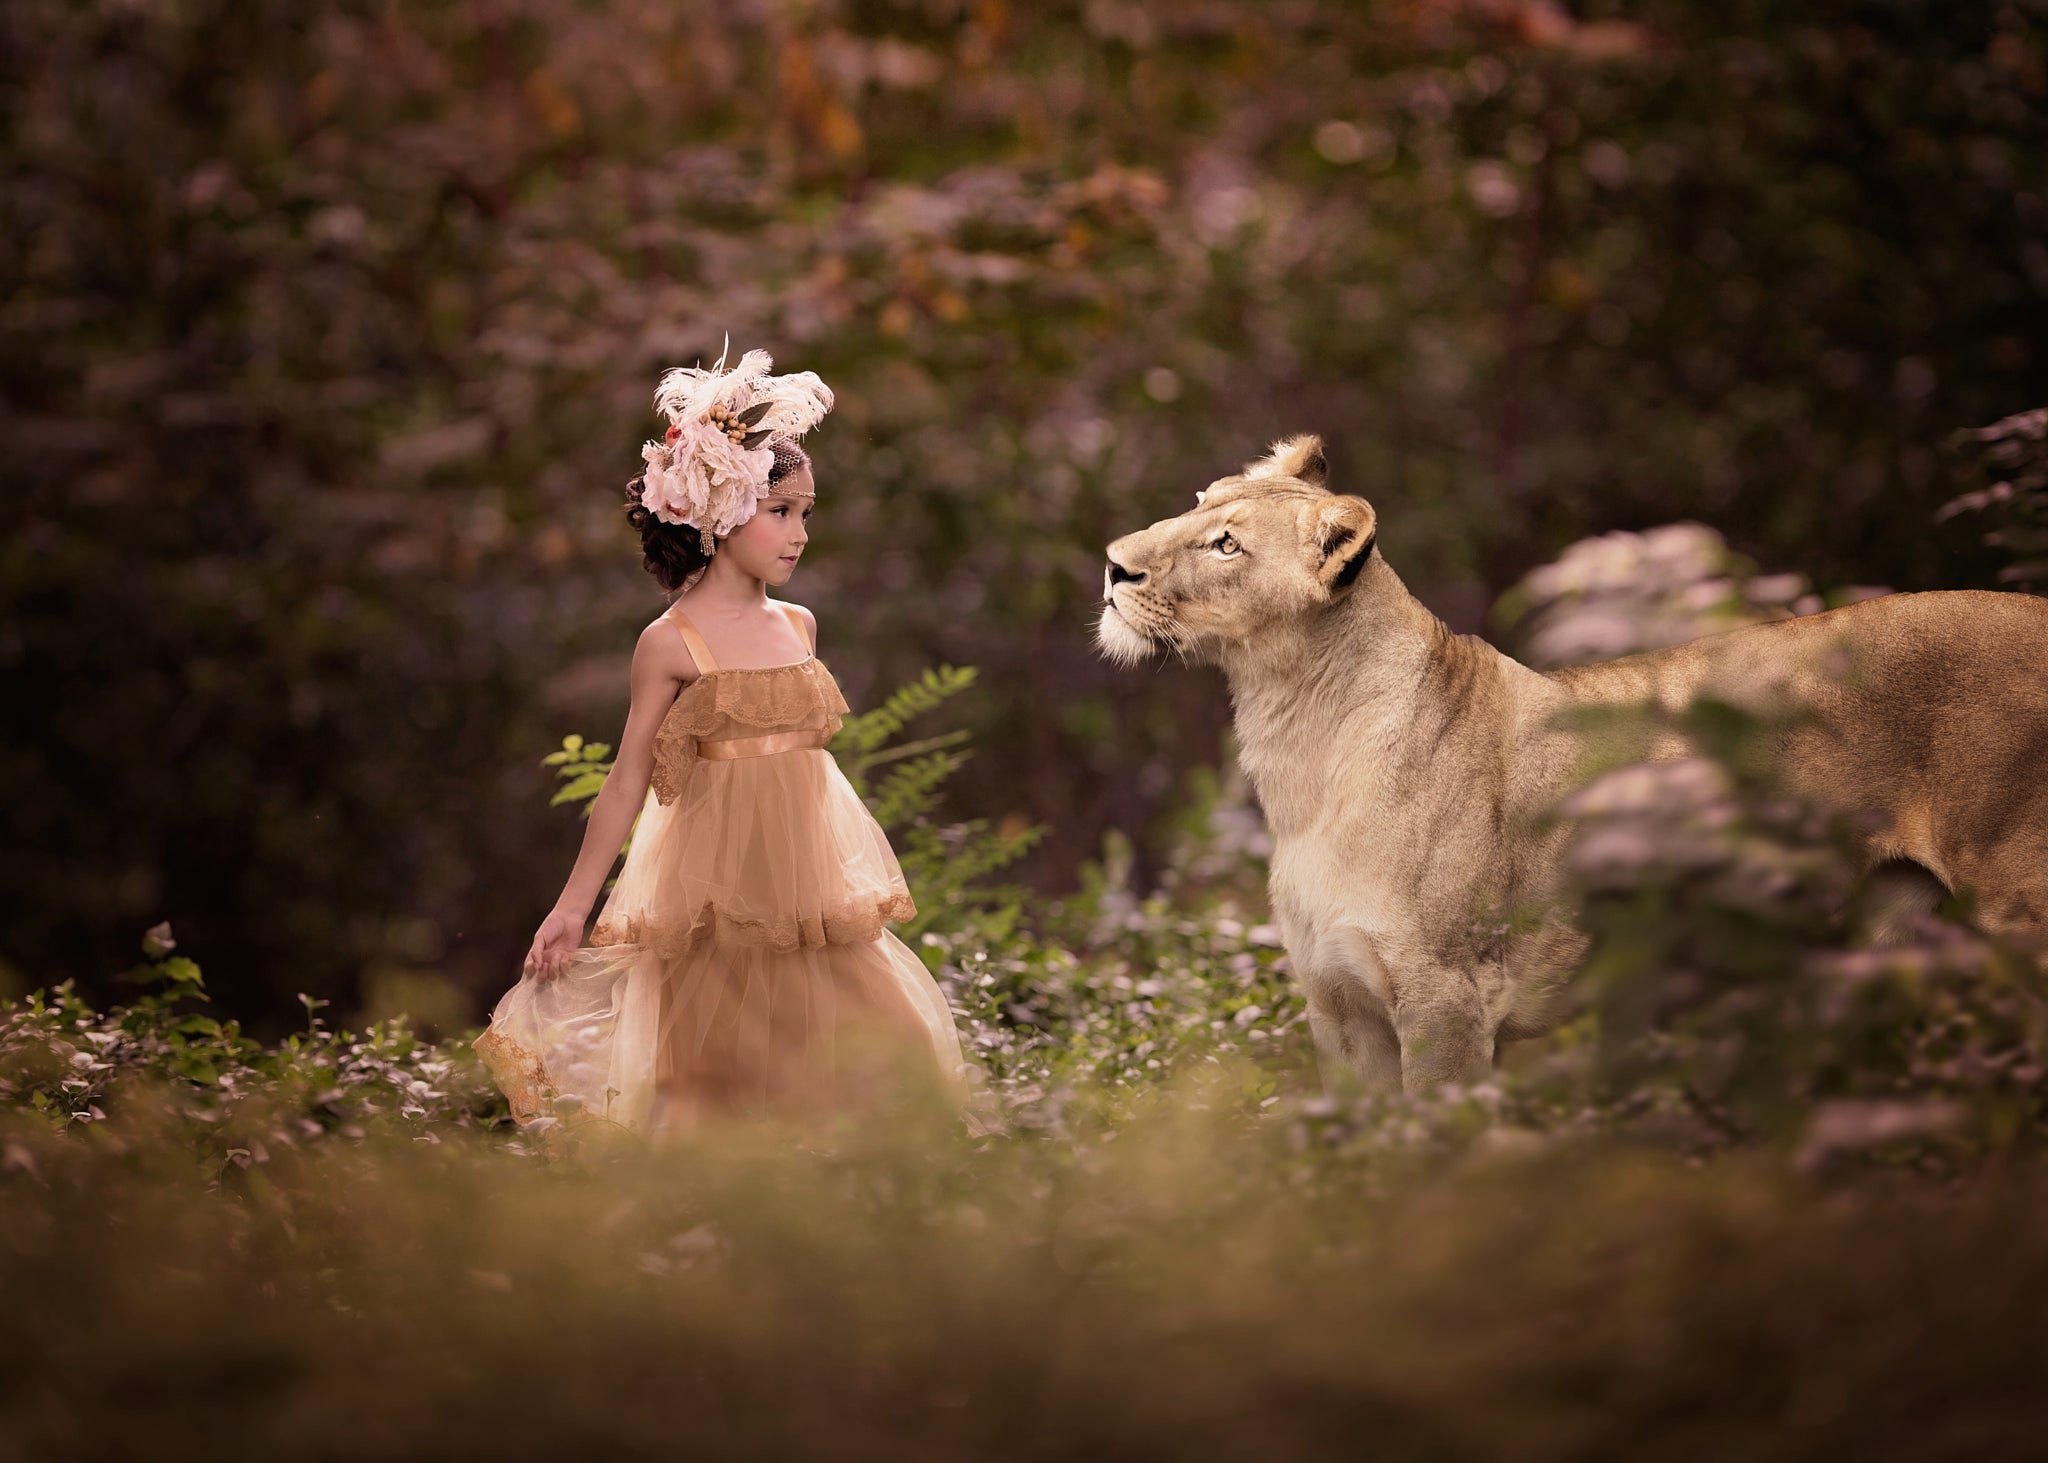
(1196, 1286)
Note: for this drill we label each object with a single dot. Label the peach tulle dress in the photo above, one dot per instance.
(742, 962)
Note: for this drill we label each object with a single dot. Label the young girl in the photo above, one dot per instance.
(741, 963)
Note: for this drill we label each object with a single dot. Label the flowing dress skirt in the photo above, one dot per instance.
(742, 964)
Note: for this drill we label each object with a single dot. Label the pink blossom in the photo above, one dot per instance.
(704, 479)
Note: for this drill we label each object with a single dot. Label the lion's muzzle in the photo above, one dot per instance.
(1118, 573)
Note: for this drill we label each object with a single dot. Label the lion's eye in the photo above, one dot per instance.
(1225, 546)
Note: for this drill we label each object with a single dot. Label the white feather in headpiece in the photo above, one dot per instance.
(712, 471)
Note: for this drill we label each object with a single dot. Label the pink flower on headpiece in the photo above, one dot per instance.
(699, 476)
(704, 479)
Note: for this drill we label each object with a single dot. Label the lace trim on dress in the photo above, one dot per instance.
(520, 1074)
(530, 1091)
(771, 698)
(758, 694)
(856, 924)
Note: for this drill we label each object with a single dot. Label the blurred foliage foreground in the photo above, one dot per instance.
(1770, 1191)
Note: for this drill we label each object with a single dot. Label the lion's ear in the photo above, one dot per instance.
(1294, 457)
(1340, 533)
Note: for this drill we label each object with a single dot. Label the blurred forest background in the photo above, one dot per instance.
(329, 332)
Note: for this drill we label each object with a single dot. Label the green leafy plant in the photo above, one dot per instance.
(235, 1100)
(944, 863)
(581, 768)
(862, 742)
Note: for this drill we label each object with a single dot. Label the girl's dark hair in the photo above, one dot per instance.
(673, 552)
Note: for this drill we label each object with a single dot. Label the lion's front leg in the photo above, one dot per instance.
(1444, 1032)
(1356, 1047)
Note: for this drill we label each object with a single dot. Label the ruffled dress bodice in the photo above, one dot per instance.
(733, 705)
(750, 830)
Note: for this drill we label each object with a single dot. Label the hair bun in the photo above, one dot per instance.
(673, 555)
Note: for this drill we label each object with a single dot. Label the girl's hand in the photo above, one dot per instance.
(557, 939)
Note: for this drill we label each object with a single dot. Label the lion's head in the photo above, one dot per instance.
(1272, 544)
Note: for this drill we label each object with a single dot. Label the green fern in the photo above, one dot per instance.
(912, 787)
(865, 734)
(945, 865)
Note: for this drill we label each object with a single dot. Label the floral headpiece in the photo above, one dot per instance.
(712, 470)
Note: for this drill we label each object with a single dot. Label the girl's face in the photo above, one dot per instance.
(767, 546)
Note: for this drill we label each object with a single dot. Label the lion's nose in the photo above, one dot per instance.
(1118, 574)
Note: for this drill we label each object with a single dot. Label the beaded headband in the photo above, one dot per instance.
(711, 470)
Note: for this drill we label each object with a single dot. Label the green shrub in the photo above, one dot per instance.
(223, 1096)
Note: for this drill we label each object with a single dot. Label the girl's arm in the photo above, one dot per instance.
(661, 665)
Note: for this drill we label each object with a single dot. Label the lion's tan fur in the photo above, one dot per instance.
(1407, 772)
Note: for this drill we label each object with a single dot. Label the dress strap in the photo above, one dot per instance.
(803, 634)
(699, 651)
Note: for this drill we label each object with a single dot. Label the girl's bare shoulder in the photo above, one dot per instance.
(661, 651)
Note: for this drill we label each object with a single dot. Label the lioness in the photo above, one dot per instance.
(1406, 771)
